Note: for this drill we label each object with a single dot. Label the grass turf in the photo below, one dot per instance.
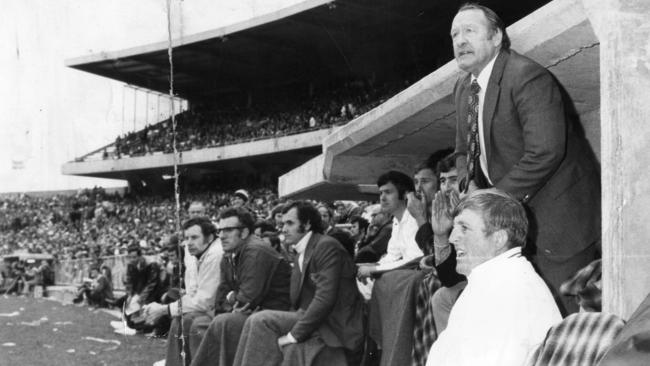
(53, 330)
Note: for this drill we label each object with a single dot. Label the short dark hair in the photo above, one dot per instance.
(330, 210)
(243, 215)
(493, 19)
(446, 164)
(500, 211)
(307, 213)
(401, 181)
(276, 210)
(265, 225)
(134, 247)
(363, 223)
(207, 227)
(274, 238)
(433, 160)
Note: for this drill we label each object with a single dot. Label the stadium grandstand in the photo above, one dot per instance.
(317, 101)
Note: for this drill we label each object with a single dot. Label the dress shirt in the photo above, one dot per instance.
(201, 298)
(402, 247)
(482, 79)
(300, 248)
(502, 315)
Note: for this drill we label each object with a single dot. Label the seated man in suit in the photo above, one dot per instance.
(506, 308)
(325, 327)
(254, 276)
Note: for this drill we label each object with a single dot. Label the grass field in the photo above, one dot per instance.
(46, 332)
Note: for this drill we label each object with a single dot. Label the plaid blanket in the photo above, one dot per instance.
(581, 339)
(424, 332)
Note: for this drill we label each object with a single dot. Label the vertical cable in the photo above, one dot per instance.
(177, 196)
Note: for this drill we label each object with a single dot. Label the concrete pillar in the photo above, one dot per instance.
(623, 29)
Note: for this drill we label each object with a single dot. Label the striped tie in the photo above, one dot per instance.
(474, 149)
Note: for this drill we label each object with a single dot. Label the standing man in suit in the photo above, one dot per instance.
(512, 133)
(326, 324)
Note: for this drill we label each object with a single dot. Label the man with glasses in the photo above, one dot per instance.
(197, 303)
(253, 277)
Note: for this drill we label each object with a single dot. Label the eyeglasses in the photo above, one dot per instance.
(229, 229)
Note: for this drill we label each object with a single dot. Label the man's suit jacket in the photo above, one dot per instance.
(326, 296)
(534, 153)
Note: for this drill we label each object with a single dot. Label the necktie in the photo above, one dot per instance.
(474, 149)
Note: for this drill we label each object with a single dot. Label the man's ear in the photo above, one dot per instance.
(247, 231)
(497, 37)
(500, 240)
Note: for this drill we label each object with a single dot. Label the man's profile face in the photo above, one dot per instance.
(354, 229)
(474, 43)
(196, 210)
(426, 184)
(292, 228)
(389, 198)
(230, 233)
(196, 242)
(473, 246)
(449, 181)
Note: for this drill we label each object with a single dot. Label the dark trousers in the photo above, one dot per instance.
(193, 326)
(220, 340)
(555, 270)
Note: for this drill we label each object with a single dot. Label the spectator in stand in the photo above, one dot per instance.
(392, 301)
(253, 277)
(424, 208)
(358, 230)
(197, 303)
(240, 198)
(327, 219)
(374, 245)
(327, 316)
(491, 322)
(276, 216)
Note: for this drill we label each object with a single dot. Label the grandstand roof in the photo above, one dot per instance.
(313, 40)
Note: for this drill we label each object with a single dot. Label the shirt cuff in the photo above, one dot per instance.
(291, 338)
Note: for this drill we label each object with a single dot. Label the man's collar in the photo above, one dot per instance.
(302, 243)
(495, 262)
(484, 76)
(200, 255)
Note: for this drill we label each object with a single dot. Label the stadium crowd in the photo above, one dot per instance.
(202, 127)
(484, 254)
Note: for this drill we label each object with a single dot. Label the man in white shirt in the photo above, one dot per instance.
(197, 303)
(392, 300)
(506, 308)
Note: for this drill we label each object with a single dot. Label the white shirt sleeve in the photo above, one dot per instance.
(402, 247)
(203, 298)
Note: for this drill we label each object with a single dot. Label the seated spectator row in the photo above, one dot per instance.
(202, 127)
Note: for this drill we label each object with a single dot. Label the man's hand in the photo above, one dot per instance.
(366, 271)
(417, 207)
(153, 312)
(441, 212)
(285, 340)
(426, 263)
